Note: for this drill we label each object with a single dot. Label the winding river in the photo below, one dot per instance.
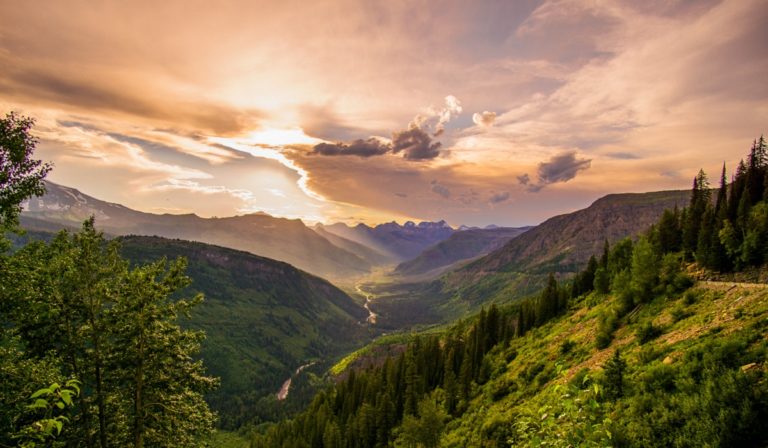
(371, 315)
(283, 394)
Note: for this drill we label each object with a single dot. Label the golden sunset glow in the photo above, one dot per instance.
(473, 112)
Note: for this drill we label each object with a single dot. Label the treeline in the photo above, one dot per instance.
(91, 353)
(408, 399)
(731, 232)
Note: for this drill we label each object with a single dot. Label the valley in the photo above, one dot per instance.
(276, 336)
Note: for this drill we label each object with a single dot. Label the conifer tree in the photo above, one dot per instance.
(614, 370)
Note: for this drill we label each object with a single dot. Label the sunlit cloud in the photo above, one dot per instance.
(231, 111)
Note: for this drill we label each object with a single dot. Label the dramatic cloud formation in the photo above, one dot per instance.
(415, 142)
(223, 109)
(484, 118)
(560, 168)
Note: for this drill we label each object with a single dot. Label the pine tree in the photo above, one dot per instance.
(614, 370)
(721, 205)
(700, 197)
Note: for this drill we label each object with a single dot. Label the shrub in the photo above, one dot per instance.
(567, 346)
(647, 332)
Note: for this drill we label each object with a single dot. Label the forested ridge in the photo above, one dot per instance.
(551, 370)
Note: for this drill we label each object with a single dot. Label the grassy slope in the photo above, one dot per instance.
(528, 377)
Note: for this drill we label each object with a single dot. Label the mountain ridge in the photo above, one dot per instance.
(282, 239)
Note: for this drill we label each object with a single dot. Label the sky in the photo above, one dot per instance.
(483, 112)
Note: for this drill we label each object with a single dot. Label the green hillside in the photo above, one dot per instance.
(695, 375)
(262, 319)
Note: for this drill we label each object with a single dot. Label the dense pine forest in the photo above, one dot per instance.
(706, 391)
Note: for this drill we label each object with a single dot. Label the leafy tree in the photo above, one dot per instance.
(116, 330)
(645, 270)
(21, 176)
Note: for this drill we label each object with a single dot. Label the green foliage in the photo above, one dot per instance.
(647, 332)
(76, 302)
(51, 403)
(424, 429)
(606, 326)
(21, 176)
(645, 271)
(704, 401)
(613, 382)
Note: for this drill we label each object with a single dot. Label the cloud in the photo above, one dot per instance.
(401, 195)
(451, 109)
(560, 168)
(484, 119)
(440, 190)
(415, 144)
(359, 147)
(58, 89)
(498, 198)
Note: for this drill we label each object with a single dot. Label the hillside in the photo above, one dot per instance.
(547, 382)
(463, 245)
(281, 239)
(681, 370)
(263, 318)
(561, 244)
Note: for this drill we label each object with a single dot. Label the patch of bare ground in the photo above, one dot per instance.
(722, 312)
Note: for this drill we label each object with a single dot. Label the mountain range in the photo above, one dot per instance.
(325, 253)
(398, 242)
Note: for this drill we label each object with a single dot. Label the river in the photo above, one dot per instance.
(371, 315)
(283, 394)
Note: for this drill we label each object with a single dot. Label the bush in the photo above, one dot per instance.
(647, 332)
(567, 346)
(679, 313)
(605, 329)
(647, 354)
(689, 298)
